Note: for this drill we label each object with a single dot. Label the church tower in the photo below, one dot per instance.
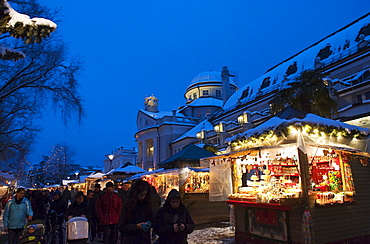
(151, 104)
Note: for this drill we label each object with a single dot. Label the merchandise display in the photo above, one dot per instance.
(273, 175)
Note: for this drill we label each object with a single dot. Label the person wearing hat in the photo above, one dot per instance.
(173, 222)
(108, 209)
(32, 235)
(95, 225)
(77, 208)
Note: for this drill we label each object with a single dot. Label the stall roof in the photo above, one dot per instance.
(7, 176)
(96, 175)
(190, 153)
(166, 171)
(276, 122)
(130, 169)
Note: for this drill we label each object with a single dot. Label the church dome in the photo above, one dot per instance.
(208, 77)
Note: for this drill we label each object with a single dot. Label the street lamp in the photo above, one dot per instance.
(110, 156)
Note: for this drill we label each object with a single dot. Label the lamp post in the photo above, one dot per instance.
(110, 157)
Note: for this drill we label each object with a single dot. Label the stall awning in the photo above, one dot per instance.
(191, 153)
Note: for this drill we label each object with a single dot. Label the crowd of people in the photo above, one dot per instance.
(131, 214)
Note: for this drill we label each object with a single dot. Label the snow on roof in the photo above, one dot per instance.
(26, 20)
(338, 45)
(275, 122)
(206, 101)
(204, 125)
(7, 176)
(209, 76)
(160, 114)
(130, 169)
(96, 175)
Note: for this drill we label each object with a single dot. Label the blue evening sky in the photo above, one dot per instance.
(136, 48)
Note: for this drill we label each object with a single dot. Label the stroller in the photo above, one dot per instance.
(35, 237)
(78, 230)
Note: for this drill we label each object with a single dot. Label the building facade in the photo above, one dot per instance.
(119, 157)
(216, 109)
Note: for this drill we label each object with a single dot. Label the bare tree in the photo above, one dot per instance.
(28, 85)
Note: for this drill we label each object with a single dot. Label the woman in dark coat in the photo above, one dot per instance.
(77, 208)
(173, 222)
(137, 214)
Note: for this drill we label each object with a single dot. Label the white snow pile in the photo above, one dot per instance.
(215, 233)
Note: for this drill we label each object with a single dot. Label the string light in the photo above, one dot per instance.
(267, 136)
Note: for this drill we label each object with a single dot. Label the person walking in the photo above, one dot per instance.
(156, 203)
(108, 209)
(173, 222)
(137, 215)
(95, 225)
(123, 192)
(17, 212)
(66, 196)
(77, 208)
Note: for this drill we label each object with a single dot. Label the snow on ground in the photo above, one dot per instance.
(215, 233)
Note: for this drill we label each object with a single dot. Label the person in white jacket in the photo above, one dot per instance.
(18, 211)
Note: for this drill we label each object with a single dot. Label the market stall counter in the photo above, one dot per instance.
(300, 171)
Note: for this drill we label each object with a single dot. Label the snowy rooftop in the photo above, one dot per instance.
(331, 48)
(209, 76)
(204, 101)
(275, 122)
(160, 114)
(204, 125)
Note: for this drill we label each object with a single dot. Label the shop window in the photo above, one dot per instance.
(218, 93)
(205, 93)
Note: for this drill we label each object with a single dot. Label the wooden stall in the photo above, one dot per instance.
(305, 182)
(193, 184)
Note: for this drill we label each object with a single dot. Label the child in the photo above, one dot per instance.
(32, 236)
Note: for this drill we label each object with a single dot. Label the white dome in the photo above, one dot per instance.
(208, 76)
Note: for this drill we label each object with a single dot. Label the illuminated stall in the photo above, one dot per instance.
(284, 169)
(182, 171)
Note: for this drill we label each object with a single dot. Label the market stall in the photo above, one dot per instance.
(283, 167)
(193, 184)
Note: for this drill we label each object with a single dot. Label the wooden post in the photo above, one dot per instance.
(305, 176)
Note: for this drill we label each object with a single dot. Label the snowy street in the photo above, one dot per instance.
(212, 233)
(215, 233)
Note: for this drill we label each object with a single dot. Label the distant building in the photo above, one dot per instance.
(120, 157)
(215, 109)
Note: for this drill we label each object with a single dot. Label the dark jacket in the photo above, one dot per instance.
(108, 208)
(34, 238)
(167, 217)
(75, 210)
(130, 233)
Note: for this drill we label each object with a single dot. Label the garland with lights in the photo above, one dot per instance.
(284, 130)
